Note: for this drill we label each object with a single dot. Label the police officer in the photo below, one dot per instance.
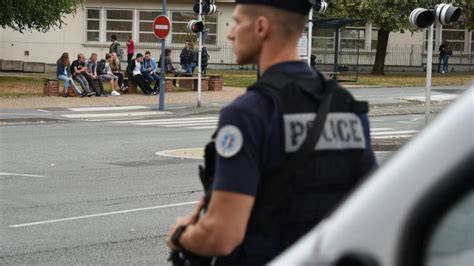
(268, 187)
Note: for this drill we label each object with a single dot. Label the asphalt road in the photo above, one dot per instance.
(97, 193)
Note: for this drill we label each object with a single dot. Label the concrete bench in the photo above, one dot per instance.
(210, 82)
(331, 74)
(51, 87)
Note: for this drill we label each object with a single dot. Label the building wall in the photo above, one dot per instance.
(47, 47)
(404, 49)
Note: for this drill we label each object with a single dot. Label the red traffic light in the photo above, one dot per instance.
(195, 26)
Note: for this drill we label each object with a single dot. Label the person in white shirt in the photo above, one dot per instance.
(135, 74)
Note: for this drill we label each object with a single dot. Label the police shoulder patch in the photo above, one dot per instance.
(229, 141)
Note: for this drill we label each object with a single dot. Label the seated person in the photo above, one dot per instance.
(149, 69)
(117, 70)
(169, 68)
(105, 73)
(79, 74)
(93, 73)
(63, 73)
(135, 74)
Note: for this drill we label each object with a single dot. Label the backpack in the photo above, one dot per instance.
(119, 51)
(115, 47)
(450, 52)
(101, 67)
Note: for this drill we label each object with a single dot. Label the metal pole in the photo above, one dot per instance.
(161, 106)
(429, 69)
(199, 57)
(336, 53)
(310, 35)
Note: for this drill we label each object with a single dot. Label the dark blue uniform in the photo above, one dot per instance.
(249, 146)
(257, 117)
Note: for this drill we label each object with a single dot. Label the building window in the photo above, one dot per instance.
(353, 38)
(350, 38)
(454, 34)
(119, 23)
(323, 39)
(146, 19)
(93, 25)
(180, 32)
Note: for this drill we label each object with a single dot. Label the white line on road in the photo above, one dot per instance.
(167, 120)
(25, 175)
(393, 136)
(103, 214)
(144, 123)
(108, 108)
(381, 129)
(394, 132)
(204, 127)
(211, 123)
(41, 110)
(116, 114)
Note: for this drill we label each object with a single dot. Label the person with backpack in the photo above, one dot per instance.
(105, 73)
(115, 47)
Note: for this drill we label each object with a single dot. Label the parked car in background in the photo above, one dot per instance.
(417, 209)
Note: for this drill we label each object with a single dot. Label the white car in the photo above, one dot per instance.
(417, 209)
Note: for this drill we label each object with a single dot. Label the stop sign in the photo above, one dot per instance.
(161, 26)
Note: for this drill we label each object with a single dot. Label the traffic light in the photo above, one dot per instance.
(208, 7)
(319, 6)
(195, 26)
(421, 18)
(447, 13)
(442, 13)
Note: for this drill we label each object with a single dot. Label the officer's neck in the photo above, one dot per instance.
(274, 53)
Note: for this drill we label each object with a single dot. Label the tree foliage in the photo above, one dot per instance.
(40, 15)
(388, 16)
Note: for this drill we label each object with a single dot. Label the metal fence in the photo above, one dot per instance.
(397, 55)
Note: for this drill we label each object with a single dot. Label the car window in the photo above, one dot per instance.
(452, 241)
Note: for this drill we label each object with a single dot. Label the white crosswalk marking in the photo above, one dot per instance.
(389, 133)
(207, 122)
(211, 122)
(108, 108)
(124, 114)
(110, 113)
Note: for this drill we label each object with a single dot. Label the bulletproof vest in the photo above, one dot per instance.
(294, 197)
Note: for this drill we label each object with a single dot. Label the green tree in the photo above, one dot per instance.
(40, 15)
(388, 16)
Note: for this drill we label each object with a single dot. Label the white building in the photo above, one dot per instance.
(89, 30)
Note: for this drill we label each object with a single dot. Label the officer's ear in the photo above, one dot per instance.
(262, 27)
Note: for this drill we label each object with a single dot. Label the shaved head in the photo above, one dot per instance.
(284, 23)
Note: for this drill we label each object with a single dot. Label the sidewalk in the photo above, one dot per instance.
(227, 95)
(211, 101)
